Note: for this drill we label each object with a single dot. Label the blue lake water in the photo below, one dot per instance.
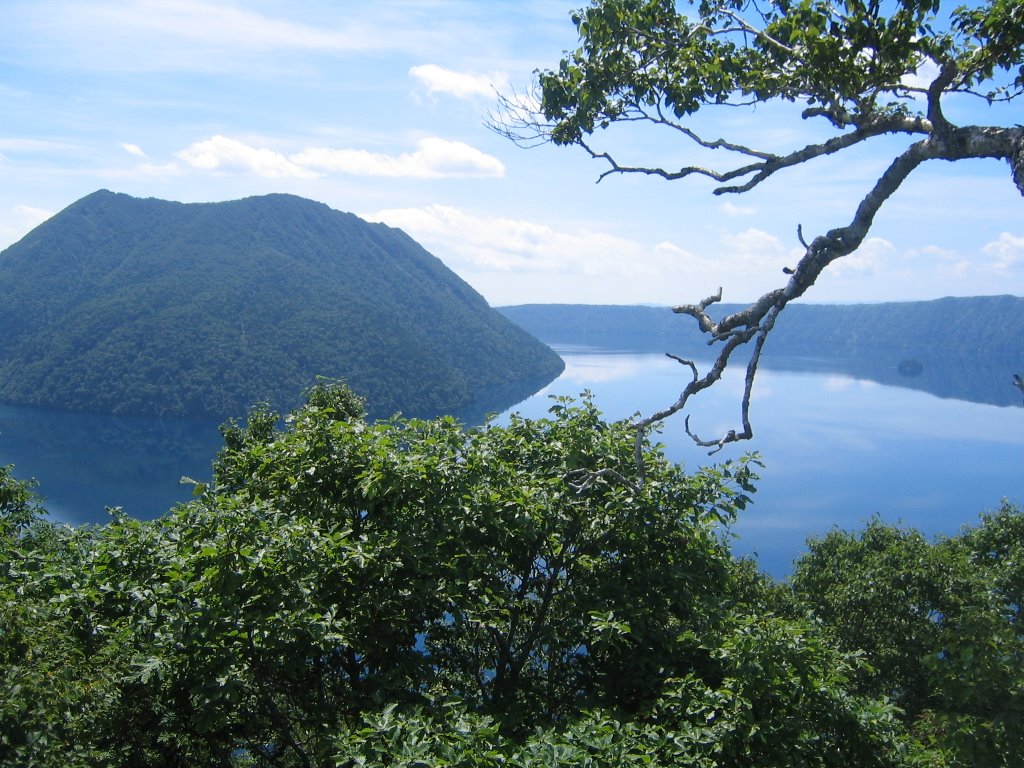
(837, 449)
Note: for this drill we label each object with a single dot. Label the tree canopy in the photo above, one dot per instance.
(409, 593)
(868, 70)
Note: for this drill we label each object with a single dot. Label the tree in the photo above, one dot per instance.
(852, 64)
(938, 624)
(412, 593)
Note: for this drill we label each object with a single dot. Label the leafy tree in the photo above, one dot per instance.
(849, 64)
(938, 624)
(410, 593)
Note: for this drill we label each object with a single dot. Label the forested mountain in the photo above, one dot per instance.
(994, 324)
(126, 305)
(948, 347)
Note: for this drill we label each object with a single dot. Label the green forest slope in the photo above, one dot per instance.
(126, 305)
(967, 325)
(967, 348)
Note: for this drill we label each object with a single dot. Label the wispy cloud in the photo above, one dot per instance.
(731, 209)
(923, 76)
(230, 35)
(133, 149)
(19, 221)
(459, 84)
(18, 145)
(433, 158)
(224, 25)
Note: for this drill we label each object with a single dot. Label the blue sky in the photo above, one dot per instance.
(379, 108)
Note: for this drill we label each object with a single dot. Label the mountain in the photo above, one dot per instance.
(967, 348)
(126, 305)
(993, 325)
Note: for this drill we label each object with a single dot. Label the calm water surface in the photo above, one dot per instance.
(836, 450)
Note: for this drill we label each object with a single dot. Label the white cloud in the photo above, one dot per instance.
(755, 249)
(501, 244)
(868, 258)
(220, 153)
(926, 72)
(133, 149)
(503, 257)
(31, 217)
(1008, 250)
(731, 209)
(238, 36)
(219, 25)
(434, 158)
(20, 220)
(159, 171)
(34, 145)
(461, 85)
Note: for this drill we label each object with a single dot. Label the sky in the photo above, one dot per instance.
(381, 109)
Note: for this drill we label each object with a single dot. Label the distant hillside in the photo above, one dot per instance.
(993, 325)
(123, 305)
(954, 347)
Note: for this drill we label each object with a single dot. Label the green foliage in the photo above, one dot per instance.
(409, 593)
(938, 624)
(849, 59)
(122, 305)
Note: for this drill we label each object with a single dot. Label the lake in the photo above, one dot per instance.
(837, 449)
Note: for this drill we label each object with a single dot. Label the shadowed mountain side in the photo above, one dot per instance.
(963, 348)
(125, 305)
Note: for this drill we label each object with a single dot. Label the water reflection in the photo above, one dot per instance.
(837, 448)
(86, 462)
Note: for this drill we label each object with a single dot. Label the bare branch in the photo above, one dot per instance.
(587, 477)
(756, 321)
(745, 26)
(766, 163)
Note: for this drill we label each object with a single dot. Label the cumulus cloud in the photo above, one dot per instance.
(503, 244)
(220, 153)
(754, 249)
(1008, 250)
(133, 149)
(459, 84)
(512, 260)
(433, 158)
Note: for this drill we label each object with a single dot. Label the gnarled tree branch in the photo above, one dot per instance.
(757, 320)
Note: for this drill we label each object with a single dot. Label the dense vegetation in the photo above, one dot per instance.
(407, 593)
(967, 348)
(122, 305)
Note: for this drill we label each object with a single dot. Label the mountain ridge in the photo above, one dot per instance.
(128, 305)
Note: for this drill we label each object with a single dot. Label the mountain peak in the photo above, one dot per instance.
(128, 305)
